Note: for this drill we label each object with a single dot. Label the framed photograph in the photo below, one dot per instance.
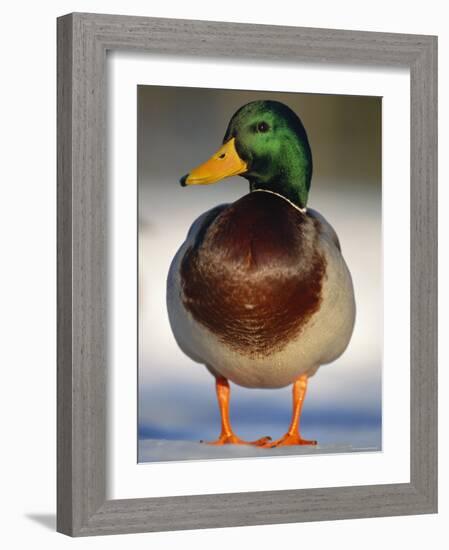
(247, 282)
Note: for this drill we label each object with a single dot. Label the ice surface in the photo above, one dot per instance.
(160, 450)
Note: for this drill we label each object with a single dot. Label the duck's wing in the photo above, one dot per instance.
(201, 224)
(326, 228)
(180, 325)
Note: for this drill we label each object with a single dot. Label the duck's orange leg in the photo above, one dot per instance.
(293, 437)
(227, 435)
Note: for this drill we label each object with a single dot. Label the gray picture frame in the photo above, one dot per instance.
(83, 40)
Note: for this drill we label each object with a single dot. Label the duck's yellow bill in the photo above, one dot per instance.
(223, 164)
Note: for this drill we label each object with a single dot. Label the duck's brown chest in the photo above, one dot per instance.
(254, 277)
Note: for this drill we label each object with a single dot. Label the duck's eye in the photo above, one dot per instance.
(262, 127)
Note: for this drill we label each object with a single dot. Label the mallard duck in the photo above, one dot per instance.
(259, 291)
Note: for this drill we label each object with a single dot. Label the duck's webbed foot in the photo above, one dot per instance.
(293, 437)
(232, 439)
(227, 436)
(290, 439)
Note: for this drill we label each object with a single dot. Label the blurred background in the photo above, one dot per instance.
(180, 128)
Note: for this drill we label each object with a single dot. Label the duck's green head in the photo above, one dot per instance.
(267, 144)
